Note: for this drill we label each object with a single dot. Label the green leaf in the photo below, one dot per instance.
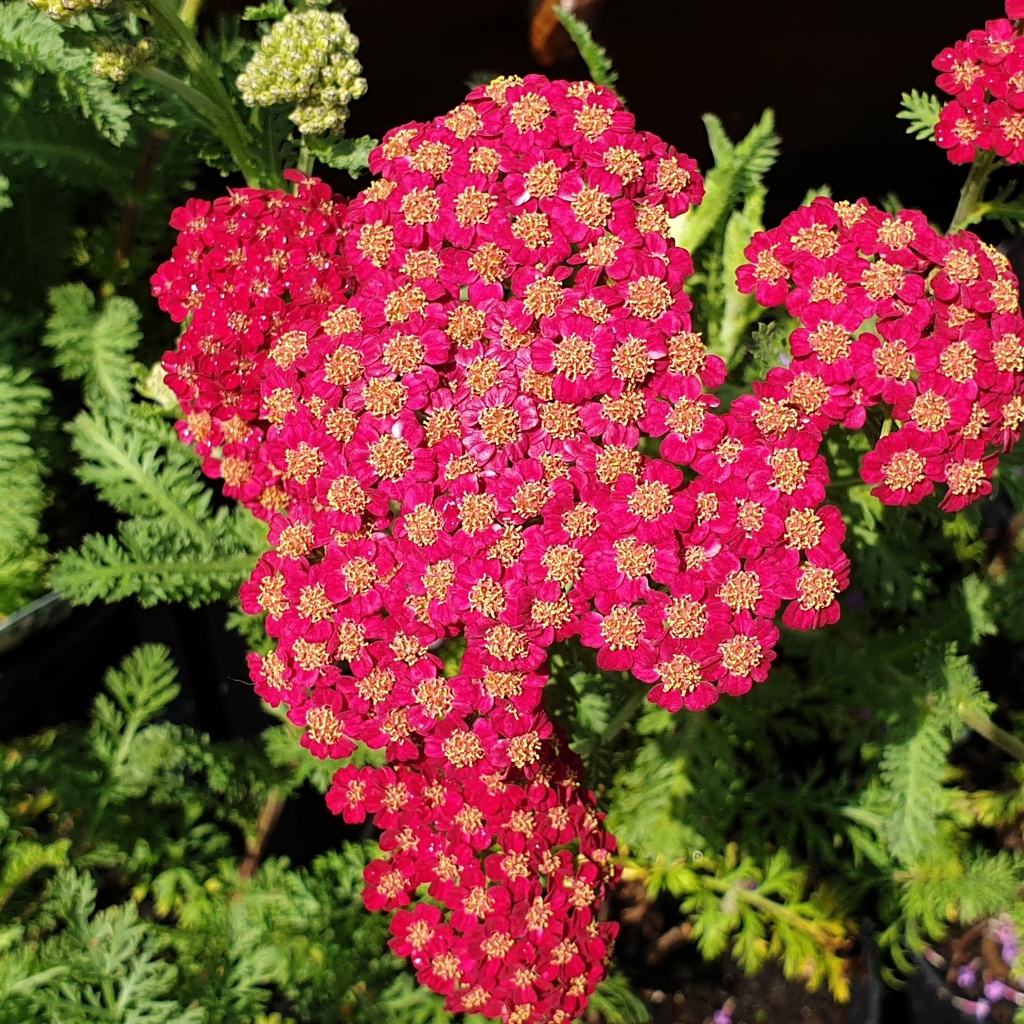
(135, 460)
(155, 563)
(913, 772)
(23, 554)
(599, 64)
(739, 170)
(92, 345)
(944, 888)
(965, 691)
(22, 859)
(269, 11)
(350, 155)
(921, 110)
(739, 311)
(30, 41)
(617, 1003)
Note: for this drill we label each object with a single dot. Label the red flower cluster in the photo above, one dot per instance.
(241, 267)
(984, 74)
(473, 409)
(943, 356)
(519, 864)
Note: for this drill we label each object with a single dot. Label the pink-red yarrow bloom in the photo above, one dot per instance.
(984, 74)
(472, 407)
(892, 315)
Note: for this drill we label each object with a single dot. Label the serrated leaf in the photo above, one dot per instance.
(739, 310)
(269, 11)
(921, 111)
(29, 40)
(93, 345)
(913, 772)
(350, 155)
(599, 65)
(739, 170)
(154, 563)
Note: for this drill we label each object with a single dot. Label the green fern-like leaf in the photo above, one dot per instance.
(739, 170)
(114, 963)
(599, 64)
(143, 685)
(941, 890)
(156, 563)
(30, 41)
(351, 155)
(738, 311)
(761, 912)
(270, 11)
(966, 696)
(22, 859)
(617, 1003)
(134, 459)
(23, 555)
(172, 547)
(913, 772)
(92, 345)
(921, 112)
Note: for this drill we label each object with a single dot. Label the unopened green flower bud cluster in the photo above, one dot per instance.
(117, 61)
(65, 10)
(308, 58)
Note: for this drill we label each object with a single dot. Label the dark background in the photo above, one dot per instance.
(833, 72)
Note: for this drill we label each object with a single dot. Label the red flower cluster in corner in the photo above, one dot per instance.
(943, 357)
(472, 407)
(984, 74)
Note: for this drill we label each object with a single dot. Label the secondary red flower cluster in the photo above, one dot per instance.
(984, 74)
(943, 358)
(473, 409)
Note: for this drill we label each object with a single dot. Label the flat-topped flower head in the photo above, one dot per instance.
(472, 405)
(984, 74)
(944, 342)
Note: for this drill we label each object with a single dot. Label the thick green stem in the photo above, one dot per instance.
(984, 726)
(192, 96)
(306, 160)
(189, 12)
(207, 95)
(973, 191)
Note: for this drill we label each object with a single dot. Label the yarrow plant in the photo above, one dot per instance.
(473, 408)
(540, 412)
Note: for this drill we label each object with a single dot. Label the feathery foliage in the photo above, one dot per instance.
(599, 65)
(93, 346)
(921, 112)
(35, 44)
(23, 555)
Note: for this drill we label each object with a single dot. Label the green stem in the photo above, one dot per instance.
(984, 726)
(189, 10)
(192, 96)
(846, 484)
(216, 106)
(306, 160)
(972, 192)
